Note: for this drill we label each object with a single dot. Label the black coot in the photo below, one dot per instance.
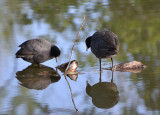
(104, 44)
(37, 51)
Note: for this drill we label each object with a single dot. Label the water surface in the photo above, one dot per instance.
(137, 25)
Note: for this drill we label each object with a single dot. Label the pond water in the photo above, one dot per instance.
(137, 25)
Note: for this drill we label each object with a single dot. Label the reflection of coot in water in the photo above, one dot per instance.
(104, 94)
(39, 78)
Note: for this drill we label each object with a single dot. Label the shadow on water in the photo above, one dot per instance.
(104, 95)
(37, 77)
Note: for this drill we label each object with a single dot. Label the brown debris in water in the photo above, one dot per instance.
(72, 67)
(71, 72)
(133, 66)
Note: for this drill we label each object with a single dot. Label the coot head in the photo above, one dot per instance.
(88, 42)
(55, 52)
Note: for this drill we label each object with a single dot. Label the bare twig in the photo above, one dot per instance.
(65, 73)
(74, 45)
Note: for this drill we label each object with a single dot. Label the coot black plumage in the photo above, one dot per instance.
(104, 44)
(37, 51)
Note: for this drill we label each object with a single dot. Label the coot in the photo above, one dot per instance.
(37, 51)
(104, 44)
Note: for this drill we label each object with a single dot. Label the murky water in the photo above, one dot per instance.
(26, 90)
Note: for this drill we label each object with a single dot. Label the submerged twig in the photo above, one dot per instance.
(65, 73)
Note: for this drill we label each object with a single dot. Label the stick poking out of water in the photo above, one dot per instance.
(65, 73)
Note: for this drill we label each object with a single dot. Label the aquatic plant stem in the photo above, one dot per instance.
(65, 73)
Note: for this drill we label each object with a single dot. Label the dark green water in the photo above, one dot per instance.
(136, 23)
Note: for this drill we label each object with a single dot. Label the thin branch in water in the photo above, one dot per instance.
(65, 73)
(74, 45)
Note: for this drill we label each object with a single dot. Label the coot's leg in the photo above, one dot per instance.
(112, 64)
(100, 79)
(100, 63)
(112, 77)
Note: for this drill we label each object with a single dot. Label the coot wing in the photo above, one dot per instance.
(36, 45)
(106, 40)
(112, 39)
(23, 52)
